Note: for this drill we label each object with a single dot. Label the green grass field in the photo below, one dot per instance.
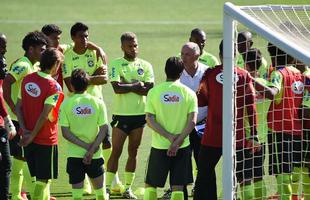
(162, 27)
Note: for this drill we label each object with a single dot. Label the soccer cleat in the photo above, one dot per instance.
(166, 195)
(128, 194)
(192, 191)
(52, 198)
(108, 193)
(118, 189)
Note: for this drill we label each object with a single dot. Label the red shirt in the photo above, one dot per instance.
(283, 117)
(35, 90)
(210, 94)
(3, 110)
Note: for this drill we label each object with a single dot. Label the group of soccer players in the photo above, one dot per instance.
(55, 85)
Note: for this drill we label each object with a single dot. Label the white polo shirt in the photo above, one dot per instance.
(193, 84)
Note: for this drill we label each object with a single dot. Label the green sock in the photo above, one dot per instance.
(47, 191)
(260, 190)
(306, 182)
(295, 180)
(16, 178)
(150, 194)
(177, 195)
(39, 189)
(87, 186)
(110, 177)
(100, 194)
(284, 186)
(247, 192)
(77, 194)
(129, 178)
(29, 182)
(106, 155)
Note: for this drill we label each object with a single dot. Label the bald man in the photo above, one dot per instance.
(199, 37)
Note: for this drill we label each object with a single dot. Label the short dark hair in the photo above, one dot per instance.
(79, 80)
(49, 57)
(221, 47)
(281, 57)
(174, 68)
(128, 36)
(244, 36)
(49, 29)
(78, 26)
(253, 58)
(196, 32)
(34, 39)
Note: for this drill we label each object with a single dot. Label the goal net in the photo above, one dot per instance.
(266, 156)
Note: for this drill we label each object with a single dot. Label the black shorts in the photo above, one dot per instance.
(280, 153)
(42, 160)
(244, 165)
(178, 167)
(297, 151)
(128, 123)
(259, 159)
(77, 169)
(15, 149)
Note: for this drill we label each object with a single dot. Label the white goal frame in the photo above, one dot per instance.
(232, 14)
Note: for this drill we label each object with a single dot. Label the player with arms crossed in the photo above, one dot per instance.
(131, 79)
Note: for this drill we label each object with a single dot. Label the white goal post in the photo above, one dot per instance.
(284, 39)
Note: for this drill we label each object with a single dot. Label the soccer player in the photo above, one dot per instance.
(171, 111)
(283, 120)
(191, 76)
(131, 79)
(253, 62)
(53, 32)
(210, 94)
(84, 151)
(81, 57)
(39, 126)
(306, 131)
(245, 42)
(7, 129)
(33, 44)
(199, 37)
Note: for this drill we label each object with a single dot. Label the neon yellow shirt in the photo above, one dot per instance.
(88, 62)
(208, 59)
(170, 102)
(306, 97)
(263, 69)
(262, 107)
(83, 114)
(19, 70)
(124, 71)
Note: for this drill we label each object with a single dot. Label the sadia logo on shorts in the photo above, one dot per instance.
(83, 110)
(298, 87)
(170, 98)
(33, 89)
